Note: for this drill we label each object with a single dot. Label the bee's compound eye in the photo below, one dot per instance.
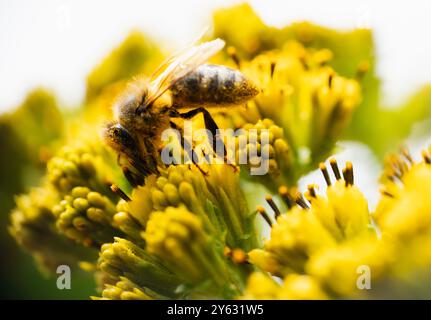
(120, 136)
(119, 131)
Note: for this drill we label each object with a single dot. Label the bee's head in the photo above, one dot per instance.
(130, 105)
(118, 138)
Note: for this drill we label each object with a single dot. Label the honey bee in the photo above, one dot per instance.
(145, 108)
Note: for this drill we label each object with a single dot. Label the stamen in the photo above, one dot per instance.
(322, 167)
(407, 155)
(284, 194)
(227, 252)
(304, 62)
(239, 256)
(330, 78)
(426, 157)
(272, 68)
(345, 176)
(262, 212)
(300, 201)
(335, 168)
(310, 193)
(231, 51)
(120, 192)
(348, 174)
(312, 190)
(385, 192)
(273, 206)
(349, 166)
(397, 170)
(394, 178)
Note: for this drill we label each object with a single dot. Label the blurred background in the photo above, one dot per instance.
(56, 44)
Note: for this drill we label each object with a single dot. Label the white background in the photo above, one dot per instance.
(55, 43)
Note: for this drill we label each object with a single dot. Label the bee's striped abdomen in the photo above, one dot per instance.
(213, 85)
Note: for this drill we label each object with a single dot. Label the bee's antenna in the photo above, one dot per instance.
(142, 105)
(138, 110)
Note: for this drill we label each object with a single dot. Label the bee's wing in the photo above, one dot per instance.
(171, 58)
(181, 65)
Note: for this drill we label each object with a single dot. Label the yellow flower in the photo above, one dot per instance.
(310, 228)
(261, 287)
(339, 268)
(301, 287)
(33, 227)
(294, 287)
(263, 145)
(310, 101)
(187, 232)
(38, 125)
(304, 97)
(329, 239)
(123, 258)
(86, 216)
(294, 238)
(124, 221)
(265, 260)
(179, 238)
(215, 196)
(344, 210)
(79, 164)
(402, 215)
(229, 25)
(403, 210)
(124, 289)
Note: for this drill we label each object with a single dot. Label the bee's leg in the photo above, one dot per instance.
(120, 193)
(133, 179)
(210, 124)
(187, 147)
(151, 161)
